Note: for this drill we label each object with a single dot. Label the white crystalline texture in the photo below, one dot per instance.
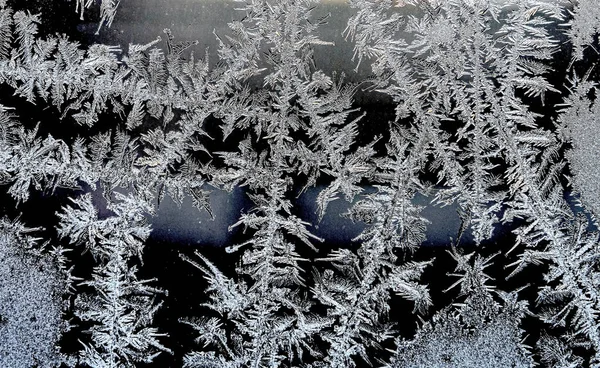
(450, 344)
(487, 118)
(584, 27)
(31, 305)
(108, 10)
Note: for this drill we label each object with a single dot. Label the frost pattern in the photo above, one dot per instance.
(480, 332)
(482, 123)
(584, 27)
(121, 309)
(108, 10)
(32, 300)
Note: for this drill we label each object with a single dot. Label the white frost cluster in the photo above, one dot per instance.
(495, 113)
(32, 290)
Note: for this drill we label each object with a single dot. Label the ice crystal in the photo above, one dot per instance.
(32, 301)
(493, 111)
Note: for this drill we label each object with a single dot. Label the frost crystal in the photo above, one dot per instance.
(32, 291)
(488, 108)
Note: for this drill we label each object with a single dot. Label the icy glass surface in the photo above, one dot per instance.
(299, 183)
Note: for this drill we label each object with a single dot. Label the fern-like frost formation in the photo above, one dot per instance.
(486, 107)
